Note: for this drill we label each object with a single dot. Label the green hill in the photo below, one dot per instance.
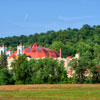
(85, 40)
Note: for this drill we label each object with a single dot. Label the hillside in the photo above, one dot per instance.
(83, 40)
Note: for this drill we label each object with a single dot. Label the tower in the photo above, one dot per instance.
(3, 49)
(20, 49)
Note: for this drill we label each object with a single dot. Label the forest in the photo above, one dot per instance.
(85, 41)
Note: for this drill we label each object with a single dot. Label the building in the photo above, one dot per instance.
(3, 49)
(36, 52)
(31, 52)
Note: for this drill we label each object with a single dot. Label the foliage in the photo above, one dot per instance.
(5, 77)
(80, 66)
(45, 70)
(95, 71)
(85, 39)
(69, 40)
(3, 61)
(20, 69)
(64, 78)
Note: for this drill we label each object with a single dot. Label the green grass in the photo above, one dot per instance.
(53, 93)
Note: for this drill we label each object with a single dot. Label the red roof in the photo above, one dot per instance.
(38, 52)
(3, 45)
(20, 44)
(9, 50)
(13, 55)
(69, 71)
(68, 57)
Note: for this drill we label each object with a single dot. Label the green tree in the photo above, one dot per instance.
(95, 71)
(6, 77)
(67, 50)
(20, 69)
(64, 78)
(3, 60)
(80, 66)
(47, 70)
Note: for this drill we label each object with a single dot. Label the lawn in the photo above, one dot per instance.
(50, 92)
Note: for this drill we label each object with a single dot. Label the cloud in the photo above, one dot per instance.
(64, 18)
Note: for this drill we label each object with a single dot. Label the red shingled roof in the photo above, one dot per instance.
(37, 52)
(13, 55)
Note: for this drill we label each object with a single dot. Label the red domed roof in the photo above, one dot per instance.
(38, 52)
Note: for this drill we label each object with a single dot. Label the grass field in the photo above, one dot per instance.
(50, 92)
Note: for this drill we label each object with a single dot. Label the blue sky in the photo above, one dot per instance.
(25, 17)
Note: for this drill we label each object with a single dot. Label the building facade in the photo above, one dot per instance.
(36, 52)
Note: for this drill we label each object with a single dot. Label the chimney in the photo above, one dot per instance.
(60, 52)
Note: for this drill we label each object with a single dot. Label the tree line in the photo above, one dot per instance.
(34, 71)
(48, 71)
(71, 41)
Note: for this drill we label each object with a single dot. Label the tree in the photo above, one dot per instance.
(80, 66)
(67, 50)
(64, 78)
(95, 71)
(47, 70)
(20, 69)
(6, 77)
(3, 61)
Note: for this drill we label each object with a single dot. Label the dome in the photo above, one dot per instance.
(37, 52)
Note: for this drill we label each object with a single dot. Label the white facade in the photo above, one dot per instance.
(20, 50)
(3, 49)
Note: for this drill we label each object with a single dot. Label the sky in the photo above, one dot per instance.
(25, 17)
